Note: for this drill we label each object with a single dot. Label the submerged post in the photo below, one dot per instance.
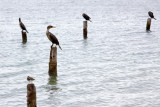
(24, 37)
(85, 29)
(53, 62)
(31, 95)
(148, 24)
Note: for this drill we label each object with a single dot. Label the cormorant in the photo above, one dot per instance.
(52, 37)
(30, 78)
(86, 17)
(151, 15)
(22, 26)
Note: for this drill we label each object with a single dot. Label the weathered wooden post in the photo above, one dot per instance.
(85, 29)
(53, 62)
(24, 37)
(148, 24)
(31, 95)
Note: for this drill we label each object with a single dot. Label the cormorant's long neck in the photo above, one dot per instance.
(48, 34)
(47, 30)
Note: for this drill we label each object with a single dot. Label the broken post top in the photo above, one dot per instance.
(31, 95)
(85, 25)
(53, 54)
(31, 87)
(149, 20)
(148, 24)
(53, 62)
(24, 37)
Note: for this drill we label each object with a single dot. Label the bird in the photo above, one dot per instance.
(22, 26)
(52, 37)
(30, 79)
(151, 14)
(86, 17)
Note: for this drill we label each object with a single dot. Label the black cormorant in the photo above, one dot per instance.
(151, 15)
(52, 37)
(22, 26)
(86, 17)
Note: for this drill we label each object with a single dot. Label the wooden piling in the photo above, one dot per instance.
(31, 95)
(24, 37)
(85, 29)
(53, 62)
(148, 24)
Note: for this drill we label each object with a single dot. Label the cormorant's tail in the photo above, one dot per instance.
(27, 31)
(155, 18)
(60, 47)
(90, 20)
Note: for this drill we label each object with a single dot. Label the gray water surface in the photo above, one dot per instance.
(117, 66)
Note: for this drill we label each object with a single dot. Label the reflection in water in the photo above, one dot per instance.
(148, 31)
(52, 90)
(52, 80)
(24, 44)
(85, 43)
(52, 83)
(84, 37)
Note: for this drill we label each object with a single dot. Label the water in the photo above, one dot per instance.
(117, 66)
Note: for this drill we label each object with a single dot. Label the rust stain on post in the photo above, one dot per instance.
(24, 37)
(85, 29)
(148, 24)
(53, 62)
(31, 95)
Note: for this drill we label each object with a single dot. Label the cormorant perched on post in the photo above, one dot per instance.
(151, 15)
(86, 17)
(52, 37)
(22, 26)
(30, 79)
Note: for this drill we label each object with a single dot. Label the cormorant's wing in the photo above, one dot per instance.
(23, 26)
(89, 17)
(151, 14)
(53, 39)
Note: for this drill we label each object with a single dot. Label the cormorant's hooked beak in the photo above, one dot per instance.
(53, 27)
